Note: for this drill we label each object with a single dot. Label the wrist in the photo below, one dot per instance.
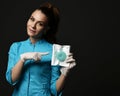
(22, 60)
(64, 71)
(22, 57)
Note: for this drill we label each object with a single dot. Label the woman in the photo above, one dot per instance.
(29, 63)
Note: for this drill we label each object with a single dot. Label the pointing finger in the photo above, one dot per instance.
(43, 53)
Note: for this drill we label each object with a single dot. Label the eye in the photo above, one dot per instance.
(41, 24)
(31, 18)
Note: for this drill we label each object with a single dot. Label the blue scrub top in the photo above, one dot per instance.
(37, 78)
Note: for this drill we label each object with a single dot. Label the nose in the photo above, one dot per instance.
(33, 25)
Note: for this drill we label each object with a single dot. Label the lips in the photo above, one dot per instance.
(32, 30)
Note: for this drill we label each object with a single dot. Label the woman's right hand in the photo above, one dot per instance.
(32, 55)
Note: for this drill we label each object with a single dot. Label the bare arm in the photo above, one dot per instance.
(64, 72)
(60, 82)
(16, 71)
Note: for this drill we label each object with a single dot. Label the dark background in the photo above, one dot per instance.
(91, 27)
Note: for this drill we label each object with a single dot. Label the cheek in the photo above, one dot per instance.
(40, 29)
(27, 27)
(28, 24)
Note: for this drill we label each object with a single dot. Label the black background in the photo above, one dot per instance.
(91, 27)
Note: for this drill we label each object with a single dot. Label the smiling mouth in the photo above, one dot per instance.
(32, 31)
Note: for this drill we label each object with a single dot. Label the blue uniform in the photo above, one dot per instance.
(37, 78)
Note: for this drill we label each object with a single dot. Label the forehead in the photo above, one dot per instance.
(39, 16)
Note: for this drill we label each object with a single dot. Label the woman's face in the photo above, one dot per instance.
(36, 24)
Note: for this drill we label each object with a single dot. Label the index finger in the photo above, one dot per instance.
(43, 53)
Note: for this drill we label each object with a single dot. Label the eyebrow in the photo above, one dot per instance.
(37, 21)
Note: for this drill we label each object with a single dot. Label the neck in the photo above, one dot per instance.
(34, 40)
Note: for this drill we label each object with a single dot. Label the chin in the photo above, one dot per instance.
(30, 34)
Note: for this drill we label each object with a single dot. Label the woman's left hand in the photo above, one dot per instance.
(71, 61)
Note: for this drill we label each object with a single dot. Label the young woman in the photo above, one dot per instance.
(29, 63)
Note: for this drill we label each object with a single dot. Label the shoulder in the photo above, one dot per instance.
(16, 44)
(48, 44)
